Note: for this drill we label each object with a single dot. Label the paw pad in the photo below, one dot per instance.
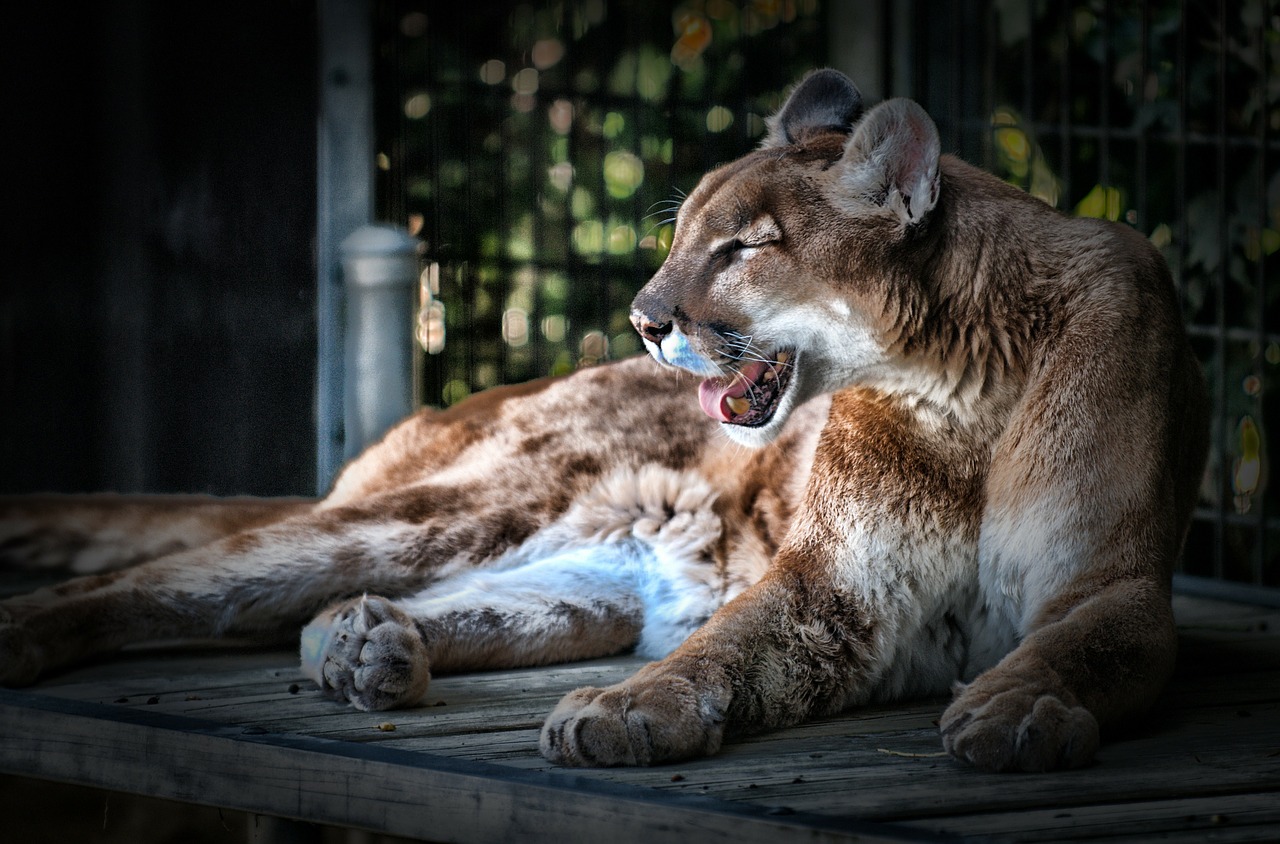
(368, 653)
(1018, 731)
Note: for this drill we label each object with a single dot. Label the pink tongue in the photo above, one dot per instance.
(713, 393)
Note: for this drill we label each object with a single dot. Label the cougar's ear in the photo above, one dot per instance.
(825, 100)
(892, 160)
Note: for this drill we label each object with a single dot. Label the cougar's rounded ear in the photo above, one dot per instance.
(892, 159)
(825, 100)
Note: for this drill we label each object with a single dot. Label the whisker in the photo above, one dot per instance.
(659, 225)
(748, 353)
(653, 210)
(662, 221)
(741, 349)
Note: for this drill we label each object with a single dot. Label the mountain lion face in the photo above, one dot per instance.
(792, 269)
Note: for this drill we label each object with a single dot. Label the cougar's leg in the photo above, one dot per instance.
(86, 534)
(1089, 499)
(865, 571)
(263, 582)
(634, 561)
(378, 653)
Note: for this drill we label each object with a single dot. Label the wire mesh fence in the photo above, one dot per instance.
(1163, 116)
(539, 150)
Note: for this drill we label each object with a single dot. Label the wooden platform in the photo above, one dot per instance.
(242, 729)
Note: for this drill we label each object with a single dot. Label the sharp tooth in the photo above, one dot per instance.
(768, 375)
(783, 357)
(738, 404)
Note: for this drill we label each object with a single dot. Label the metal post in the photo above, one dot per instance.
(380, 276)
(345, 171)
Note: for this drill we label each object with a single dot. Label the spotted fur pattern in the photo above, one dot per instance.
(552, 521)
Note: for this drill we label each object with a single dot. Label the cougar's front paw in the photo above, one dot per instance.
(1018, 730)
(640, 722)
(368, 653)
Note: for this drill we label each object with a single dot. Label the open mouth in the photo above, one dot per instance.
(751, 396)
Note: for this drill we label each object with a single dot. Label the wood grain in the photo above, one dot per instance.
(241, 728)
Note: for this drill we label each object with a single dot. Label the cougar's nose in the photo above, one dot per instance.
(650, 329)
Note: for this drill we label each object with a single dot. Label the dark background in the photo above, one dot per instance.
(157, 319)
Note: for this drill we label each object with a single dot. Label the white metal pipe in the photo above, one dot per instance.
(380, 274)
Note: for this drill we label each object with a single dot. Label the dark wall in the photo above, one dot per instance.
(157, 322)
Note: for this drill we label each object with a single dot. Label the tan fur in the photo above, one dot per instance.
(1006, 476)
(97, 533)
(978, 433)
(491, 485)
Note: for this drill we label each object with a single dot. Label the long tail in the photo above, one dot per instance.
(84, 534)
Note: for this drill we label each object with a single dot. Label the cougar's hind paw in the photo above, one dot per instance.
(368, 653)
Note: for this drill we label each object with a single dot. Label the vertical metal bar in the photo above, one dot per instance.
(1263, 118)
(436, 364)
(887, 50)
(467, 275)
(389, 187)
(1220, 294)
(1183, 248)
(573, 266)
(1028, 80)
(496, 112)
(984, 79)
(1064, 105)
(957, 79)
(344, 201)
(1181, 151)
(125, 439)
(1140, 164)
(1104, 100)
(380, 277)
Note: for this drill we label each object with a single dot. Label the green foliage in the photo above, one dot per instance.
(540, 149)
(540, 152)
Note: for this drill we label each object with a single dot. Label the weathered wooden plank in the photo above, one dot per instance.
(1206, 817)
(1189, 611)
(1225, 834)
(868, 776)
(1197, 743)
(232, 678)
(162, 672)
(375, 788)
(502, 701)
(1188, 692)
(324, 718)
(138, 674)
(1221, 757)
(460, 703)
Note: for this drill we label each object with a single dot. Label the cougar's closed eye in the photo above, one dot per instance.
(762, 231)
(729, 248)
